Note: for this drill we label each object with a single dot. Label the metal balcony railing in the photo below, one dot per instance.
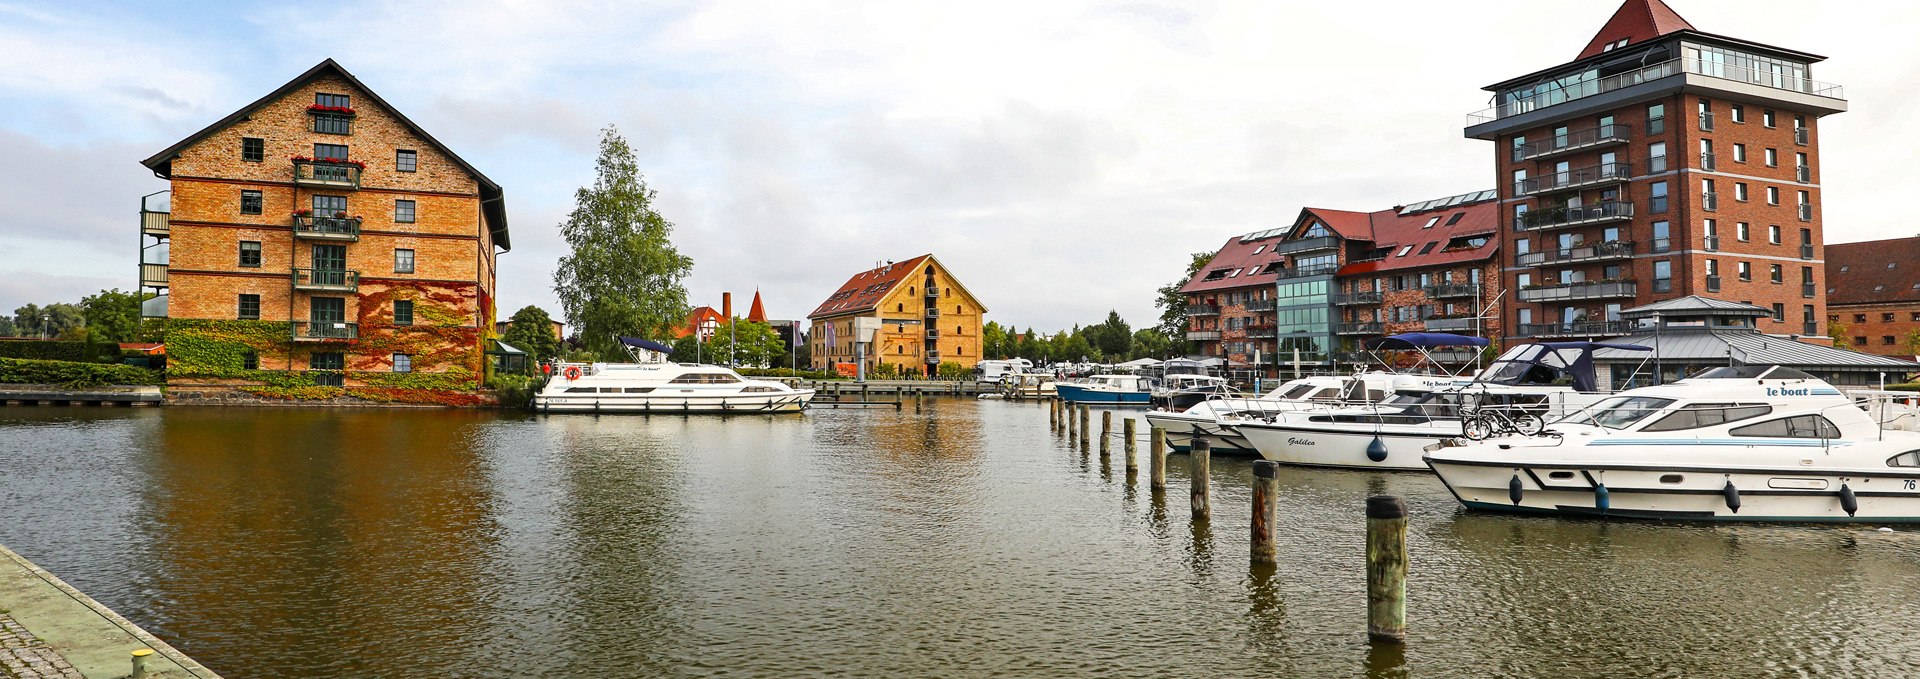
(325, 330)
(1573, 140)
(933, 358)
(328, 378)
(1711, 243)
(1307, 245)
(1366, 328)
(933, 312)
(933, 291)
(1561, 217)
(1203, 309)
(1363, 297)
(1262, 332)
(1446, 290)
(1800, 136)
(1806, 212)
(153, 275)
(1516, 105)
(1803, 174)
(933, 333)
(1261, 305)
(1706, 121)
(326, 228)
(1707, 163)
(1576, 291)
(1450, 324)
(155, 223)
(325, 174)
(333, 280)
(1806, 290)
(1713, 284)
(1578, 253)
(1710, 201)
(1578, 329)
(1810, 328)
(1203, 335)
(1806, 251)
(1605, 173)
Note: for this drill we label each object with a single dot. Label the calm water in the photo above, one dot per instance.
(960, 540)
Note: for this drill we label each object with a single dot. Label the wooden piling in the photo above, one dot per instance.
(1157, 459)
(1386, 569)
(1086, 426)
(1106, 433)
(1198, 465)
(1126, 431)
(1266, 511)
(1053, 416)
(1073, 426)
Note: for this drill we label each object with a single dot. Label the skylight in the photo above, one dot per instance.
(1431, 222)
(1404, 251)
(1429, 247)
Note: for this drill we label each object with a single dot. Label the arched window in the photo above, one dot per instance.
(956, 309)
(899, 307)
(910, 291)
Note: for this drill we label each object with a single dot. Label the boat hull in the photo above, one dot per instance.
(1313, 446)
(1182, 429)
(1077, 394)
(688, 404)
(1782, 495)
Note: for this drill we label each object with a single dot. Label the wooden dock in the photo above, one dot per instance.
(56, 395)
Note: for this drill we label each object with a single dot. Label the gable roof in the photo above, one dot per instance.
(1636, 21)
(492, 199)
(1426, 234)
(1241, 263)
(1873, 271)
(1350, 225)
(695, 318)
(864, 290)
(757, 313)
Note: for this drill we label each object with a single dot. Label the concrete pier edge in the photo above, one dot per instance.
(162, 648)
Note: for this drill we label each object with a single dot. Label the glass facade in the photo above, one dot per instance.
(1303, 311)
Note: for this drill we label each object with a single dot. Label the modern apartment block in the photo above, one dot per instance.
(1873, 296)
(1661, 162)
(1319, 288)
(918, 313)
(346, 242)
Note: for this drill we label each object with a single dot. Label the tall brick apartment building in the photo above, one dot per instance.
(1661, 162)
(921, 314)
(1334, 278)
(1873, 295)
(319, 237)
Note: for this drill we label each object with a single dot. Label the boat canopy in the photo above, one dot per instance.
(647, 344)
(1550, 363)
(1425, 340)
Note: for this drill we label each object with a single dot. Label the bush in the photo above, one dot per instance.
(46, 350)
(1904, 387)
(515, 391)
(73, 374)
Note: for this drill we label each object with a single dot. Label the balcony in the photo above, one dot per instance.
(326, 228)
(1203, 335)
(1806, 251)
(1260, 306)
(1822, 97)
(1806, 212)
(1574, 140)
(932, 292)
(1800, 136)
(1713, 284)
(319, 331)
(1806, 290)
(1357, 298)
(933, 312)
(1578, 329)
(326, 280)
(1322, 270)
(1810, 328)
(1449, 290)
(1707, 163)
(1203, 310)
(1706, 121)
(933, 333)
(1578, 291)
(1262, 332)
(1563, 217)
(1455, 325)
(328, 378)
(1367, 328)
(1710, 201)
(1307, 245)
(933, 358)
(1581, 253)
(153, 275)
(323, 174)
(1577, 178)
(155, 223)
(1803, 174)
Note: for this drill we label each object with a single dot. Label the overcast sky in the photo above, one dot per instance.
(1061, 157)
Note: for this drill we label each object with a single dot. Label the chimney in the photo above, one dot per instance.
(726, 305)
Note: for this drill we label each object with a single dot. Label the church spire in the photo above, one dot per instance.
(1636, 21)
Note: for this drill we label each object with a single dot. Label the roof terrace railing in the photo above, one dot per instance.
(1650, 73)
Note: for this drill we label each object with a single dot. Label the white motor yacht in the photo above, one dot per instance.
(1206, 418)
(1746, 443)
(1548, 379)
(655, 385)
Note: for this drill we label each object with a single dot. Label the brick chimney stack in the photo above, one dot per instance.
(726, 305)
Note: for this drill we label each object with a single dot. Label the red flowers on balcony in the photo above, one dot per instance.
(330, 161)
(333, 110)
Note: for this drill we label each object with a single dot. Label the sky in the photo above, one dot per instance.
(1062, 158)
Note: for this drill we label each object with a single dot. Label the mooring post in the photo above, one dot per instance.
(1386, 569)
(1266, 511)
(1053, 416)
(1126, 430)
(140, 663)
(1157, 459)
(1073, 427)
(1086, 426)
(1106, 433)
(1197, 467)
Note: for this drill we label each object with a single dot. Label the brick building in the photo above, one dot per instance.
(1661, 162)
(319, 237)
(1335, 278)
(921, 314)
(1873, 296)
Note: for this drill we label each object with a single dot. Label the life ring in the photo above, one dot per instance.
(573, 372)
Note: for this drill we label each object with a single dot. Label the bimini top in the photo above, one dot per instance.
(647, 344)
(1550, 363)
(1422, 340)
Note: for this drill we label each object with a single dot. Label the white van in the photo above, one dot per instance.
(993, 371)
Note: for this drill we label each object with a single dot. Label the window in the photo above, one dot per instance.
(332, 123)
(402, 260)
(1859, 318)
(402, 363)
(1431, 222)
(1740, 191)
(249, 307)
(1886, 340)
(250, 253)
(1746, 270)
(1657, 157)
(1659, 199)
(1773, 158)
(1663, 276)
(250, 361)
(1739, 153)
(403, 312)
(250, 202)
(1738, 113)
(403, 211)
(327, 360)
(1886, 318)
(1696, 415)
(1774, 274)
(1662, 236)
(253, 149)
(1767, 118)
(1779, 312)
(1773, 234)
(325, 151)
(1906, 459)
(1404, 251)
(1859, 341)
(1428, 247)
(330, 206)
(1742, 232)
(408, 161)
(1656, 118)
(1773, 195)
(333, 100)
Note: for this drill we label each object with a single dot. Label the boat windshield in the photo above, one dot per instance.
(1619, 412)
(1298, 392)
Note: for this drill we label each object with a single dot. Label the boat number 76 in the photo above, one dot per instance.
(1910, 483)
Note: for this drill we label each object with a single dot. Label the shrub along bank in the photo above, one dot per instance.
(74, 375)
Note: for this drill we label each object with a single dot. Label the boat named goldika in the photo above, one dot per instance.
(653, 384)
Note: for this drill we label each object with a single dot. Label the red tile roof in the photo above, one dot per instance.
(1399, 229)
(757, 313)
(1636, 21)
(1241, 263)
(1350, 225)
(1874, 271)
(864, 290)
(695, 318)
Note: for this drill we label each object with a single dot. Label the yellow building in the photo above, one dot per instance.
(912, 314)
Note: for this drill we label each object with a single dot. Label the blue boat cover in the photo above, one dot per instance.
(1420, 340)
(646, 344)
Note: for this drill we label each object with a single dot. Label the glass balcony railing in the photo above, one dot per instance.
(1606, 173)
(1203, 310)
(1322, 270)
(1577, 291)
(1573, 140)
(1560, 217)
(1203, 335)
(1578, 253)
(1645, 74)
(1262, 332)
(1356, 298)
(1364, 328)
(1451, 324)
(1448, 290)
(1307, 245)
(1260, 305)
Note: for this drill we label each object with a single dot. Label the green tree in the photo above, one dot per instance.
(1075, 347)
(993, 341)
(623, 275)
(65, 320)
(1151, 343)
(6, 326)
(532, 332)
(1114, 338)
(748, 343)
(111, 316)
(1835, 330)
(1173, 304)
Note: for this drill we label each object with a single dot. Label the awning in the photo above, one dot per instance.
(503, 349)
(1422, 340)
